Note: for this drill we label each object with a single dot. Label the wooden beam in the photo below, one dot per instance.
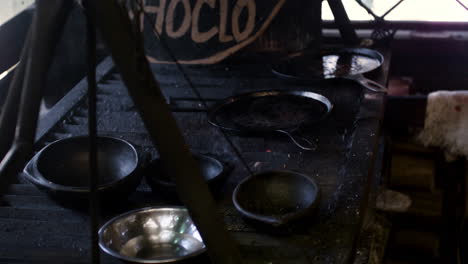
(127, 51)
(342, 21)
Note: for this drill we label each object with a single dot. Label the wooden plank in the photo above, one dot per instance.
(412, 171)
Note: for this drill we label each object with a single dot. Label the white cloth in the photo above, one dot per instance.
(446, 123)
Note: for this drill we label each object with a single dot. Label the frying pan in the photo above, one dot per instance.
(276, 197)
(61, 169)
(272, 111)
(347, 63)
(213, 171)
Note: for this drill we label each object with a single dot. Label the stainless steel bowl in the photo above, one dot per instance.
(152, 235)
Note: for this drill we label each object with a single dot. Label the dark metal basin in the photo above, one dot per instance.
(276, 197)
(212, 171)
(62, 168)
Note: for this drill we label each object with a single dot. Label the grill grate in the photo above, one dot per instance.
(35, 229)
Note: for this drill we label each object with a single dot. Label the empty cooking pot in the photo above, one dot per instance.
(276, 197)
(212, 171)
(62, 168)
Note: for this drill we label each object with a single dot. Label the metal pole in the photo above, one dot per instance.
(92, 131)
(49, 18)
(130, 60)
(9, 115)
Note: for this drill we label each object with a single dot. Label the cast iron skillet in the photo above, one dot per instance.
(272, 111)
(276, 198)
(61, 168)
(213, 171)
(347, 63)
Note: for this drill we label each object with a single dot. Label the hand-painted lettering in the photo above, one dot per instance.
(250, 25)
(185, 26)
(228, 29)
(159, 10)
(223, 16)
(198, 36)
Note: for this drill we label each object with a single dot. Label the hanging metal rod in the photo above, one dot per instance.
(92, 130)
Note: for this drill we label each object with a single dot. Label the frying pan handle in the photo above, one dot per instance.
(299, 140)
(370, 85)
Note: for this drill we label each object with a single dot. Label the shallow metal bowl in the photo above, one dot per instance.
(276, 197)
(152, 235)
(62, 168)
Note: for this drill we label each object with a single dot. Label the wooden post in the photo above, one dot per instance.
(128, 53)
(344, 24)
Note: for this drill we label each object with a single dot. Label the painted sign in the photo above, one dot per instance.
(204, 31)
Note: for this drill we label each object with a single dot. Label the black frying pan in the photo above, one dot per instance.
(213, 171)
(276, 197)
(272, 111)
(348, 63)
(61, 169)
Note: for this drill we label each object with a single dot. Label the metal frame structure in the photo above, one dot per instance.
(128, 53)
(383, 29)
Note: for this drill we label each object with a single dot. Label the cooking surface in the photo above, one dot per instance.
(270, 110)
(34, 228)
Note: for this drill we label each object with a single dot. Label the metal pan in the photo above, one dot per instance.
(61, 169)
(346, 63)
(213, 172)
(276, 197)
(272, 111)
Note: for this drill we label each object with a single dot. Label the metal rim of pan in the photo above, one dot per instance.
(286, 218)
(309, 95)
(278, 69)
(33, 174)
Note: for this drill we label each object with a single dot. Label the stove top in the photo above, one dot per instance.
(35, 229)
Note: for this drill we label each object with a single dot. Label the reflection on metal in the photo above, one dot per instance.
(5, 73)
(152, 235)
